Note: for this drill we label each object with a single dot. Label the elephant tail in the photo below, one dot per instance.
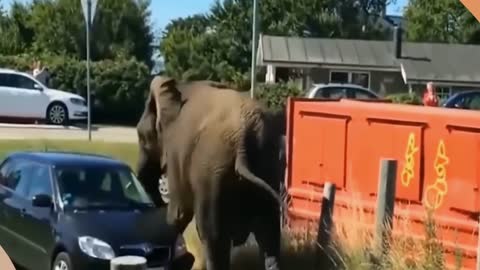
(242, 169)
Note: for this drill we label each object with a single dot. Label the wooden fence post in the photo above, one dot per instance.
(325, 222)
(385, 204)
(128, 263)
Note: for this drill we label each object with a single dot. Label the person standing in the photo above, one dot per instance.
(36, 68)
(430, 96)
(41, 73)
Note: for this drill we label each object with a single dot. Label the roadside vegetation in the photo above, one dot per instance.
(352, 243)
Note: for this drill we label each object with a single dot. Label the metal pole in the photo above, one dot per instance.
(89, 123)
(254, 49)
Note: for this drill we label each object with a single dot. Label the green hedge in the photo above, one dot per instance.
(118, 87)
(275, 95)
(405, 98)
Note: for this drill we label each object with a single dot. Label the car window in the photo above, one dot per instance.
(86, 187)
(40, 181)
(336, 92)
(20, 81)
(16, 176)
(362, 94)
(330, 92)
(5, 172)
(4, 80)
(457, 101)
(473, 103)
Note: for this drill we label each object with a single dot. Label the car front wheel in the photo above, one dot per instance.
(62, 262)
(57, 114)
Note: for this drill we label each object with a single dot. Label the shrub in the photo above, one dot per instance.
(405, 98)
(118, 87)
(275, 95)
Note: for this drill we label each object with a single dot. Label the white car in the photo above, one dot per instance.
(24, 97)
(340, 90)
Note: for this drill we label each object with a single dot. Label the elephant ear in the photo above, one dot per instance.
(168, 100)
(146, 124)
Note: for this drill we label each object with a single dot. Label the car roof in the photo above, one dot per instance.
(467, 92)
(59, 158)
(350, 85)
(10, 71)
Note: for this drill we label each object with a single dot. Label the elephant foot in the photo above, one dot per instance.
(271, 263)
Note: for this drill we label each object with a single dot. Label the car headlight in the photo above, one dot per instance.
(78, 101)
(180, 246)
(96, 248)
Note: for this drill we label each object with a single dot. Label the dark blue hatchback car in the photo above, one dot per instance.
(64, 211)
(467, 100)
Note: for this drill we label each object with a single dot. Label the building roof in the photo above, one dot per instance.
(420, 62)
(396, 20)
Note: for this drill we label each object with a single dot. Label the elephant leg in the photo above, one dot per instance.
(218, 254)
(216, 241)
(179, 216)
(268, 236)
(212, 229)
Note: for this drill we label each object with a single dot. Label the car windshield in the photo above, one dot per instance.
(100, 187)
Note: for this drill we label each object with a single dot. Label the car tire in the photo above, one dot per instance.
(57, 114)
(62, 262)
(163, 189)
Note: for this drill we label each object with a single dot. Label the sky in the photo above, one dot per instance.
(165, 10)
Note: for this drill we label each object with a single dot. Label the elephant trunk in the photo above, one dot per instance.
(149, 173)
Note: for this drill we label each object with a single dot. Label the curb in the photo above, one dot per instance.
(38, 126)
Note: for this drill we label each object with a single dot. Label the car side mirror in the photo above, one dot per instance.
(42, 200)
(38, 87)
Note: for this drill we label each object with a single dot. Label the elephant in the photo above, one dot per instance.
(147, 167)
(220, 150)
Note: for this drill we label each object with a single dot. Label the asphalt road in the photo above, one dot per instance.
(99, 133)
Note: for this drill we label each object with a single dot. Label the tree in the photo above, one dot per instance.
(120, 28)
(217, 45)
(13, 44)
(441, 21)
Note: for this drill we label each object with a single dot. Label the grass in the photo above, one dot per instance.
(352, 243)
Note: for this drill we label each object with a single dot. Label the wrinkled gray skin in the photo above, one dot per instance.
(222, 154)
(148, 166)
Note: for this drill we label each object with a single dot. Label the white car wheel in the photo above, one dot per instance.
(163, 188)
(57, 114)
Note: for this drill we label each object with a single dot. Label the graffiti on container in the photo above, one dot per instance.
(435, 193)
(409, 165)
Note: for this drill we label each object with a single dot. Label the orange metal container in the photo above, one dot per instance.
(343, 141)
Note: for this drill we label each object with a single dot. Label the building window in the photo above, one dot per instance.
(339, 77)
(443, 92)
(358, 78)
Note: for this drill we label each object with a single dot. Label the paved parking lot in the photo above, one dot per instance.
(39, 132)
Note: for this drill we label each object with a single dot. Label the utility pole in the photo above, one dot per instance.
(89, 12)
(254, 50)
(88, 25)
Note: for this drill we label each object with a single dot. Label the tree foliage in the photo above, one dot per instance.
(275, 95)
(441, 21)
(120, 29)
(217, 45)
